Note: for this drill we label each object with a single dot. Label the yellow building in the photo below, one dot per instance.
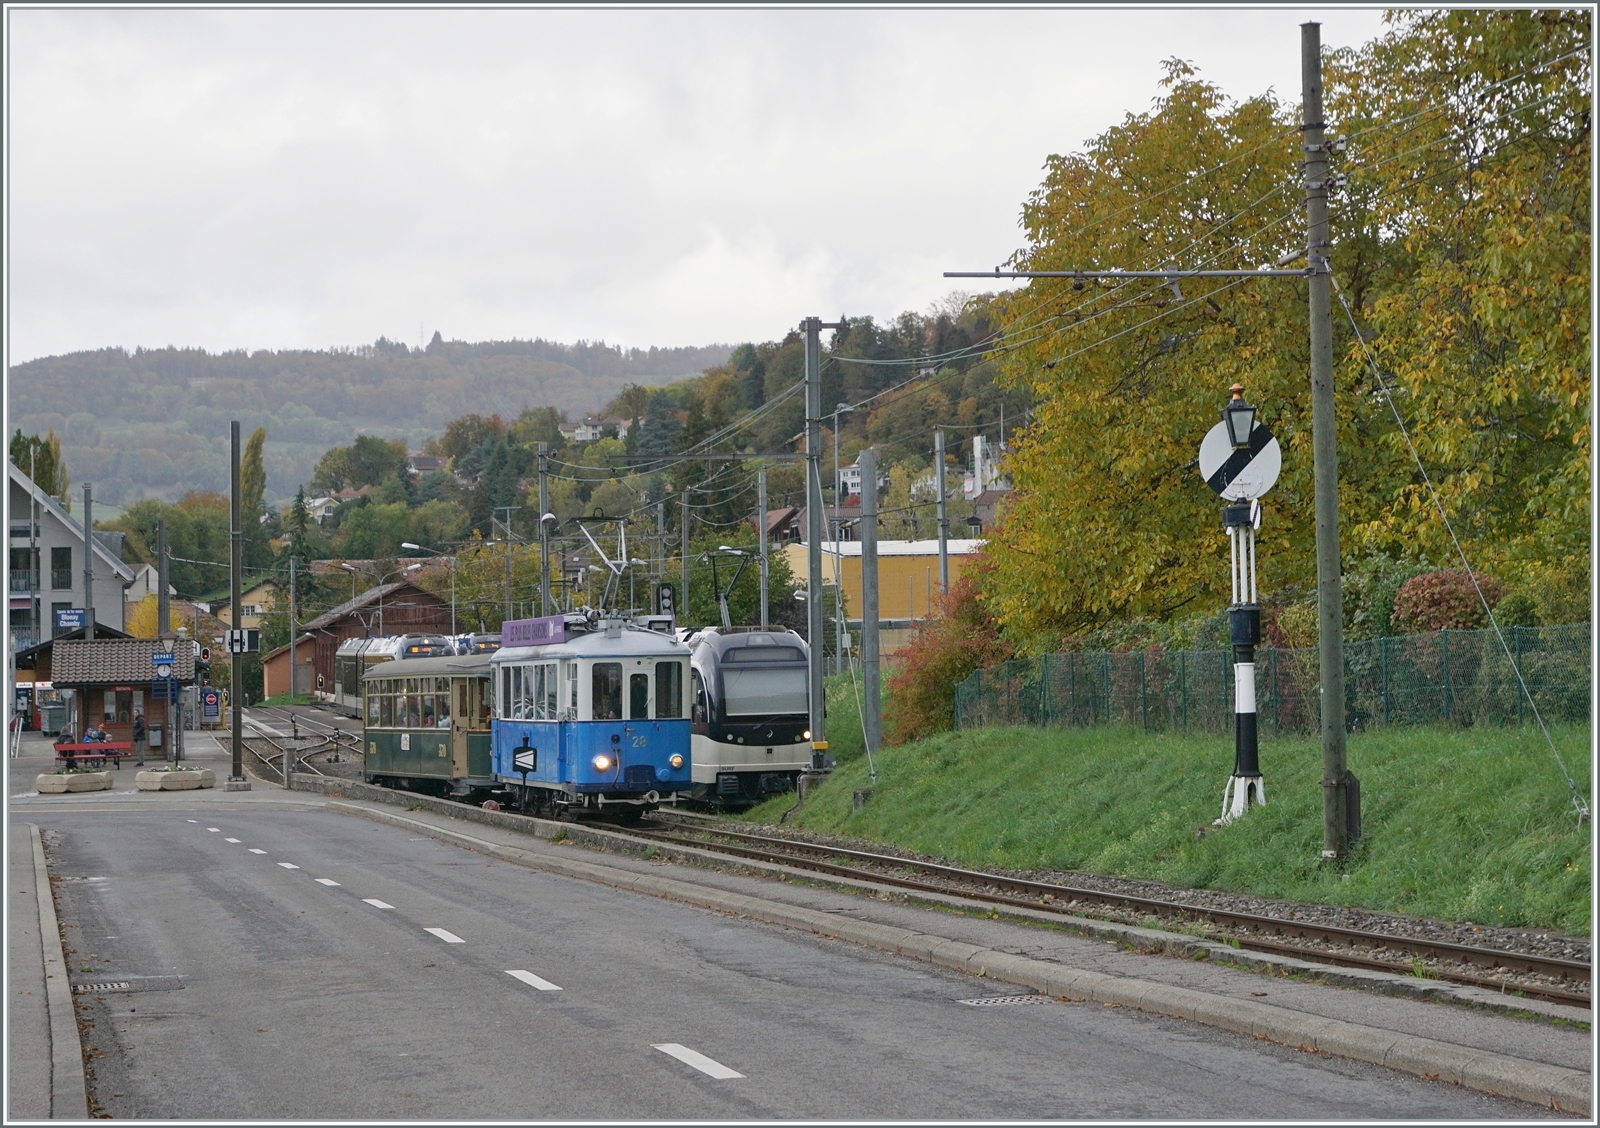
(254, 603)
(908, 581)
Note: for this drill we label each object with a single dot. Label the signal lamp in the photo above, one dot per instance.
(1240, 418)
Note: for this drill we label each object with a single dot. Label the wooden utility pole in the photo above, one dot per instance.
(1325, 462)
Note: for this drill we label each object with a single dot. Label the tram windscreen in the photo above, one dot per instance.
(755, 691)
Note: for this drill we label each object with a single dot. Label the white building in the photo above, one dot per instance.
(45, 567)
(985, 475)
(147, 582)
(850, 477)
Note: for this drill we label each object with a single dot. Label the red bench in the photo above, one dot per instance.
(95, 754)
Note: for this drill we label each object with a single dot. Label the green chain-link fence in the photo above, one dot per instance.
(1458, 676)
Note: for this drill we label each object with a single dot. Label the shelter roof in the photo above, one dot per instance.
(117, 660)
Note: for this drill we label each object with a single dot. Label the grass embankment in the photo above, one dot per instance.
(1468, 824)
(285, 698)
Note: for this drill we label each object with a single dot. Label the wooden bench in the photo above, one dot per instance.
(95, 754)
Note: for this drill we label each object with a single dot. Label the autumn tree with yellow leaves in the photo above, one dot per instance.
(1461, 243)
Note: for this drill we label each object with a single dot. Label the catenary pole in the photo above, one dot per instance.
(291, 627)
(872, 698)
(761, 533)
(163, 605)
(683, 547)
(944, 515)
(812, 328)
(1325, 466)
(88, 567)
(544, 529)
(235, 582)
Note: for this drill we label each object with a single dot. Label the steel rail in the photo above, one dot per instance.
(344, 735)
(1490, 958)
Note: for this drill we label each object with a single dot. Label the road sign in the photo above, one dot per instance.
(210, 704)
(666, 599)
(525, 759)
(1237, 475)
(69, 619)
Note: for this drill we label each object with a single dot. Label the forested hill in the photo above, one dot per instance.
(154, 422)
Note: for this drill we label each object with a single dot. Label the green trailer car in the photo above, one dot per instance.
(427, 725)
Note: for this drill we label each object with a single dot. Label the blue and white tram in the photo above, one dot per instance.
(591, 714)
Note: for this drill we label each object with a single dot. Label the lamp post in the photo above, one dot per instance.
(377, 583)
(450, 557)
(838, 410)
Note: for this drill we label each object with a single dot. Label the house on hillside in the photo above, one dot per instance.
(256, 601)
(46, 567)
(850, 477)
(420, 464)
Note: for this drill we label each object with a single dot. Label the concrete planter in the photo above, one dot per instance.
(54, 783)
(185, 780)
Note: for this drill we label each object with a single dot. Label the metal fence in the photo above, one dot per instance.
(1461, 677)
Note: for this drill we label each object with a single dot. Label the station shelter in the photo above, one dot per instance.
(106, 679)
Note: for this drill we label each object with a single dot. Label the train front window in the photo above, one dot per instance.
(639, 697)
(606, 691)
(763, 692)
(385, 712)
(669, 689)
(372, 708)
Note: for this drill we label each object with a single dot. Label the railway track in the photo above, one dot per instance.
(269, 754)
(1532, 975)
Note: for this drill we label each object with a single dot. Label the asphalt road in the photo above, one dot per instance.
(306, 964)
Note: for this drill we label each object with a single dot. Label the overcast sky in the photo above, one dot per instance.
(272, 179)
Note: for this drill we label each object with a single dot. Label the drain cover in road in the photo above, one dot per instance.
(1007, 1001)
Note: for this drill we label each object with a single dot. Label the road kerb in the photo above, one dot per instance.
(1538, 1083)
(69, 1090)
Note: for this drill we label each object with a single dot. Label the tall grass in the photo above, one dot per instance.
(1470, 824)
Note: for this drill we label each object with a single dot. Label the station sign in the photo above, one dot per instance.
(547, 630)
(69, 619)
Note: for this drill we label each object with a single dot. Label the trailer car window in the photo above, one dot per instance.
(639, 697)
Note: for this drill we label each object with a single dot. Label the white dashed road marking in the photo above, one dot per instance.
(533, 980)
(233, 840)
(288, 865)
(191, 820)
(326, 881)
(253, 850)
(214, 829)
(698, 1060)
(447, 937)
(377, 904)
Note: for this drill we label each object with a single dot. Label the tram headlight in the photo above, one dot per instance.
(602, 763)
(675, 760)
(806, 735)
